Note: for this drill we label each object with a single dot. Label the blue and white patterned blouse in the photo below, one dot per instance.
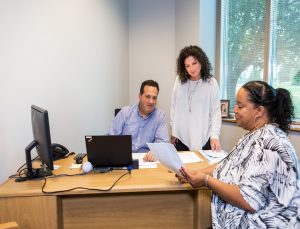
(265, 166)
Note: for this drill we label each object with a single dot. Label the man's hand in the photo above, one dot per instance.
(173, 140)
(149, 157)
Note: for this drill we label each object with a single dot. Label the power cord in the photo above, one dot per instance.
(20, 171)
(21, 174)
(81, 174)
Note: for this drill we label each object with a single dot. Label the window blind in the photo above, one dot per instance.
(260, 40)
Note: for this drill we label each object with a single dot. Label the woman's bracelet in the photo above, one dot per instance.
(206, 180)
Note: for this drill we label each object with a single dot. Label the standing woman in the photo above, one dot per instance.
(195, 106)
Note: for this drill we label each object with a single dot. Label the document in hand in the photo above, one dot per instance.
(167, 155)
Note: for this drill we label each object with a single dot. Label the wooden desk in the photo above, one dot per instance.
(148, 198)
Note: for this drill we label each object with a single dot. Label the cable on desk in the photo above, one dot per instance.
(20, 175)
(71, 189)
(25, 163)
(20, 170)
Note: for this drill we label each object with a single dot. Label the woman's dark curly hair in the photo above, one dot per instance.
(198, 54)
(278, 102)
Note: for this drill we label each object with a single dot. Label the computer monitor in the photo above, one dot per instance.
(42, 143)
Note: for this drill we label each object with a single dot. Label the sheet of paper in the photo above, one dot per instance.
(143, 164)
(56, 167)
(147, 165)
(213, 157)
(75, 166)
(189, 157)
(214, 154)
(166, 154)
(138, 156)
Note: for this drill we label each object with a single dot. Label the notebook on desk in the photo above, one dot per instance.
(109, 150)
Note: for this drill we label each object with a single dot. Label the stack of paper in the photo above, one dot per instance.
(213, 156)
(143, 164)
(189, 157)
(166, 154)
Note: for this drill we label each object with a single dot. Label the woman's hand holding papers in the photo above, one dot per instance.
(181, 179)
(196, 178)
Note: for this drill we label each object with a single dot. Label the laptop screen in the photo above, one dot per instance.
(109, 150)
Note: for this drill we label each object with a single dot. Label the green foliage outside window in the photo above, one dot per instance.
(250, 43)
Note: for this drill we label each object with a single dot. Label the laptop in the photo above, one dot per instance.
(109, 150)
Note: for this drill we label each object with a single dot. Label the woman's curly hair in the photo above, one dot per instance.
(198, 54)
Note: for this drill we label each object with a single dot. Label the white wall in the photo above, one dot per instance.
(295, 137)
(231, 133)
(151, 47)
(158, 30)
(195, 24)
(187, 20)
(69, 57)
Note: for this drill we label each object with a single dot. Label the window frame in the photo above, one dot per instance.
(219, 45)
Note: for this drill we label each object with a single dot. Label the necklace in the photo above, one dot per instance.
(190, 94)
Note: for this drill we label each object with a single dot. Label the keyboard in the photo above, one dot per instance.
(102, 169)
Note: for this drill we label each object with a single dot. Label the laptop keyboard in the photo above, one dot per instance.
(102, 169)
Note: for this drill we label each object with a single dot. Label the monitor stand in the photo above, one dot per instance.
(33, 173)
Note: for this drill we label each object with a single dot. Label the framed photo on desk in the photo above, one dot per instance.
(225, 108)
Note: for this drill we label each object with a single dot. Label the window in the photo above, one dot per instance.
(260, 41)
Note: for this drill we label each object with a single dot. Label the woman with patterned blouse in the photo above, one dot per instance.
(258, 184)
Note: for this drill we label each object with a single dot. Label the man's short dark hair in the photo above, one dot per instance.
(151, 83)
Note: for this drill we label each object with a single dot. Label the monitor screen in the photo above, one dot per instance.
(41, 134)
(42, 143)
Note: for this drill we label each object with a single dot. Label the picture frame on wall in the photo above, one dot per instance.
(224, 108)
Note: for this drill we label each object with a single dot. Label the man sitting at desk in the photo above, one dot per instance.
(143, 121)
